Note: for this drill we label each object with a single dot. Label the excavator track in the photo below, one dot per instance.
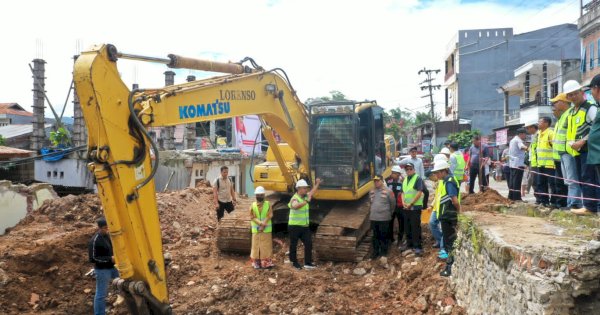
(343, 235)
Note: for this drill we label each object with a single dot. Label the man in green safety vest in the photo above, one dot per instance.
(299, 222)
(412, 199)
(545, 162)
(457, 163)
(532, 130)
(593, 157)
(560, 109)
(448, 207)
(579, 123)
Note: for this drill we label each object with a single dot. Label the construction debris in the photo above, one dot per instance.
(46, 255)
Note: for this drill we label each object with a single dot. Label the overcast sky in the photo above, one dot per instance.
(366, 49)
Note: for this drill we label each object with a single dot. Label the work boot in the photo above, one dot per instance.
(447, 272)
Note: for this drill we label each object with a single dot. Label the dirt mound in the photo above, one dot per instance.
(487, 201)
(43, 262)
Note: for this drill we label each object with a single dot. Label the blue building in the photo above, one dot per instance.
(479, 62)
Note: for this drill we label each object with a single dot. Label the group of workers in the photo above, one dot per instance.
(564, 161)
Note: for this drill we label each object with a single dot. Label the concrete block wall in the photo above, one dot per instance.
(18, 200)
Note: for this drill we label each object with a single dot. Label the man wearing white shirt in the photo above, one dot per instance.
(516, 153)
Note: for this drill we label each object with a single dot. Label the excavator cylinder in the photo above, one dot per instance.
(205, 65)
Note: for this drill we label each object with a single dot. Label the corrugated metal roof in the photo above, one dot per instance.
(12, 131)
(13, 109)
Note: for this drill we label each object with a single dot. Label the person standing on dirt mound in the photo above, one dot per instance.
(394, 183)
(299, 223)
(262, 241)
(412, 199)
(448, 207)
(224, 193)
(101, 254)
(383, 204)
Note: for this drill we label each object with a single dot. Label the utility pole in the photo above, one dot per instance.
(427, 86)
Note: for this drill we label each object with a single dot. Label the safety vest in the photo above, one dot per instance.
(299, 217)
(559, 143)
(543, 150)
(409, 191)
(436, 195)
(576, 120)
(443, 202)
(533, 151)
(459, 171)
(261, 215)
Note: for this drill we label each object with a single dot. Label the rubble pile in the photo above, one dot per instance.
(43, 262)
(488, 201)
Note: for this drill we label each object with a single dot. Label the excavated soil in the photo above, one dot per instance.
(487, 201)
(43, 262)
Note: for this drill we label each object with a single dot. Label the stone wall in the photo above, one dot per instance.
(509, 264)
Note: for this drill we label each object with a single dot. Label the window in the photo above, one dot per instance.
(446, 91)
(553, 89)
(591, 55)
(583, 59)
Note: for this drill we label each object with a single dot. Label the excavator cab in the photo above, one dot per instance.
(347, 144)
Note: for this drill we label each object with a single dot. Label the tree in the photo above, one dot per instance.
(398, 123)
(463, 138)
(59, 137)
(334, 95)
(2, 140)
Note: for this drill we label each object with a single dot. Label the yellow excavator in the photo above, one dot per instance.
(343, 143)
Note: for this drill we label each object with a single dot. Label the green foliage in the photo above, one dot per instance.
(2, 140)
(333, 96)
(59, 137)
(464, 138)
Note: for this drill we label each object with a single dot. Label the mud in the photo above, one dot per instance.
(487, 201)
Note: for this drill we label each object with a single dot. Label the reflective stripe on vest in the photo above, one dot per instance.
(409, 191)
(544, 149)
(533, 151)
(261, 216)
(575, 121)
(298, 216)
(459, 171)
(559, 143)
(443, 200)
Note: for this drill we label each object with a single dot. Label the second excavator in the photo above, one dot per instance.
(343, 143)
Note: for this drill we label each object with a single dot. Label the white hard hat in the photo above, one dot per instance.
(531, 123)
(301, 183)
(440, 157)
(440, 165)
(260, 190)
(445, 151)
(571, 86)
(396, 169)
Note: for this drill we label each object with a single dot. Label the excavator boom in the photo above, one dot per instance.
(120, 149)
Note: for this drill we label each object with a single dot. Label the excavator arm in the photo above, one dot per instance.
(120, 148)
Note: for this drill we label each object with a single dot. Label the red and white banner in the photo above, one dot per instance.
(246, 130)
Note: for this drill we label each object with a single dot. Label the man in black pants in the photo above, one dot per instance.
(223, 193)
(394, 183)
(478, 153)
(412, 199)
(516, 153)
(448, 207)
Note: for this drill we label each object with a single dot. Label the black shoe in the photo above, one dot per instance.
(374, 256)
(446, 273)
(297, 265)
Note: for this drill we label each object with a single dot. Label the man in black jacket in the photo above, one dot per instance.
(101, 254)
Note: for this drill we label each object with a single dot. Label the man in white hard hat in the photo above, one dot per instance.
(261, 214)
(579, 124)
(299, 222)
(448, 206)
(394, 183)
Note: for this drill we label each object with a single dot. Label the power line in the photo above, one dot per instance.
(427, 86)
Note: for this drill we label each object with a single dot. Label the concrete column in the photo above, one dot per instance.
(38, 136)
(190, 129)
(79, 128)
(545, 84)
(168, 133)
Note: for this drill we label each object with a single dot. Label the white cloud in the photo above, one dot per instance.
(366, 49)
